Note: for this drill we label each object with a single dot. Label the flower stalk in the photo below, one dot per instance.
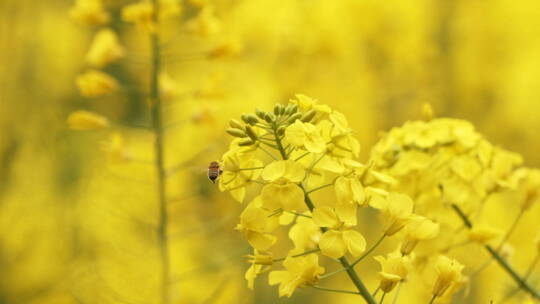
(522, 283)
(158, 129)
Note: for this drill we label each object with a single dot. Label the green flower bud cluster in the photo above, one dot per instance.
(274, 122)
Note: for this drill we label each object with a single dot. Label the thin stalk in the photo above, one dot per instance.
(369, 250)
(343, 260)
(382, 298)
(511, 229)
(532, 266)
(157, 126)
(335, 290)
(397, 293)
(522, 283)
(433, 299)
(299, 255)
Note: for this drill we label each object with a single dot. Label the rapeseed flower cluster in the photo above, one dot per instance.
(278, 160)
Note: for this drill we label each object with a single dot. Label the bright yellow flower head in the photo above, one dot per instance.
(94, 83)
(105, 49)
(300, 271)
(304, 234)
(340, 238)
(236, 177)
(306, 136)
(448, 273)
(395, 268)
(306, 103)
(260, 262)
(89, 12)
(257, 226)
(286, 170)
(349, 190)
(418, 228)
(396, 210)
(84, 120)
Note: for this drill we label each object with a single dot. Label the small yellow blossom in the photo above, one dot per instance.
(105, 49)
(448, 273)
(306, 103)
(349, 190)
(397, 210)
(89, 12)
(257, 226)
(235, 177)
(304, 234)
(419, 228)
(94, 83)
(483, 234)
(395, 268)
(300, 271)
(284, 170)
(83, 120)
(340, 237)
(305, 135)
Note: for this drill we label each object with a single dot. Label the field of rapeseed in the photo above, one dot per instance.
(236, 151)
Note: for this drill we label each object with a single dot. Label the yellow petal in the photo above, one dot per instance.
(325, 217)
(260, 241)
(347, 213)
(332, 244)
(274, 171)
(288, 197)
(356, 243)
(84, 120)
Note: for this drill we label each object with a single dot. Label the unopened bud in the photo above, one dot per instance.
(269, 117)
(235, 132)
(246, 142)
(294, 117)
(291, 109)
(251, 133)
(277, 109)
(260, 113)
(249, 119)
(308, 116)
(281, 130)
(236, 124)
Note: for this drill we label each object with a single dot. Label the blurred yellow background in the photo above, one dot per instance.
(78, 225)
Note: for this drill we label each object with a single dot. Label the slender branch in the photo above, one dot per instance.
(397, 292)
(379, 241)
(319, 188)
(382, 298)
(432, 299)
(298, 255)
(500, 260)
(343, 260)
(157, 126)
(335, 290)
(511, 229)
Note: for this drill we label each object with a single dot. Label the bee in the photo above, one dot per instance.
(214, 171)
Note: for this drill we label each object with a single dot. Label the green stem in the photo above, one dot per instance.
(397, 292)
(343, 260)
(500, 260)
(299, 255)
(335, 290)
(382, 297)
(433, 299)
(157, 126)
(369, 251)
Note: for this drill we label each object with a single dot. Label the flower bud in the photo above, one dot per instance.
(236, 124)
(84, 120)
(251, 133)
(246, 142)
(291, 109)
(236, 132)
(269, 117)
(260, 113)
(308, 116)
(281, 130)
(278, 108)
(294, 117)
(249, 119)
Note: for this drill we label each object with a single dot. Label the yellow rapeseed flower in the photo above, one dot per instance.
(84, 120)
(257, 226)
(105, 49)
(94, 83)
(419, 228)
(300, 271)
(89, 12)
(448, 273)
(306, 136)
(340, 237)
(395, 268)
(396, 209)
